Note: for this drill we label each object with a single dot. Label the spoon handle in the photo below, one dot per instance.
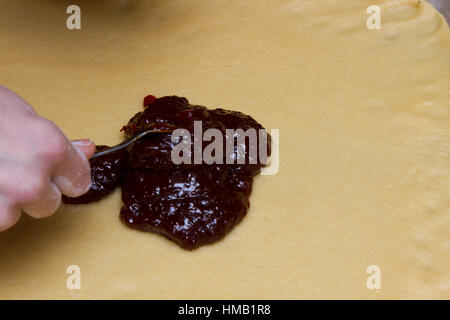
(125, 143)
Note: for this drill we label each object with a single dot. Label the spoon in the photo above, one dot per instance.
(126, 143)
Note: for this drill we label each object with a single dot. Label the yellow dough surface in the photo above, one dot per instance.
(364, 144)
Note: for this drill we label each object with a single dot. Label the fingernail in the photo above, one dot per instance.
(82, 142)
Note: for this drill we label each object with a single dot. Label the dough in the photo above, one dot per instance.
(364, 144)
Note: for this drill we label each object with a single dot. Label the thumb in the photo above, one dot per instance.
(86, 146)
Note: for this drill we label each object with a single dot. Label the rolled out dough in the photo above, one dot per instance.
(364, 144)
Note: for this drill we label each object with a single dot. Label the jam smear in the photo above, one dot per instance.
(107, 172)
(191, 204)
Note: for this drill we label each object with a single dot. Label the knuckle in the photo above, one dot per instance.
(31, 190)
(57, 150)
(54, 145)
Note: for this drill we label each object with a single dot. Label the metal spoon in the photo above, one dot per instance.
(126, 143)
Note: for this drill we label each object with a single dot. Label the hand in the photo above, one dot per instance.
(37, 162)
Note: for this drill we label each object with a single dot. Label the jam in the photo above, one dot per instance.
(191, 203)
(106, 174)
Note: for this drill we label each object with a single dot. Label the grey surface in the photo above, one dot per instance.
(443, 6)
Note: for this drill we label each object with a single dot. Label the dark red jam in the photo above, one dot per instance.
(106, 174)
(192, 204)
